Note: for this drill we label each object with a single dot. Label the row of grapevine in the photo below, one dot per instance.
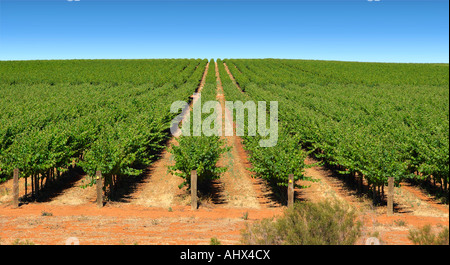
(273, 164)
(375, 120)
(200, 152)
(304, 72)
(75, 72)
(102, 120)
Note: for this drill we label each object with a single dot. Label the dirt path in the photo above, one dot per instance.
(411, 199)
(325, 188)
(240, 189)
(73, 194)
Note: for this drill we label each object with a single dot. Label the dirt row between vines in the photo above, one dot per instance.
(240, 187)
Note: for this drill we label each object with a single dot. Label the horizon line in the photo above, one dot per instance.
(215, 58)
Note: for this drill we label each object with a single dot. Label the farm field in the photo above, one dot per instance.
(344, 128)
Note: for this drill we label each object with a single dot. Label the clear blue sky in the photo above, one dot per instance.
(352, 30)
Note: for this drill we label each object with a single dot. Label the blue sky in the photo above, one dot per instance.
(351, 30)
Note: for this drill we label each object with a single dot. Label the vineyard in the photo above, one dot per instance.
(360, 123)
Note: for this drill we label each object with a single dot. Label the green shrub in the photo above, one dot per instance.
(425, 236)
(20, 242)
(44, 213)
(307, 223)
(245, 216)
(214, 241)
(264, 232)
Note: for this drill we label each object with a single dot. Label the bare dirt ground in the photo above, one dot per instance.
(241, 190)
(121, 224)
(154, 211)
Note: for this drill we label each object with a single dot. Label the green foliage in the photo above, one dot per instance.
(274, 164)
(425, 236)
(199, 153)
(303, 72)
(245, 216)
(400, 222)
(214, 241)
(379, 120)
(108, 115)
(307, 223)
(94, 72)
(263, 232)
